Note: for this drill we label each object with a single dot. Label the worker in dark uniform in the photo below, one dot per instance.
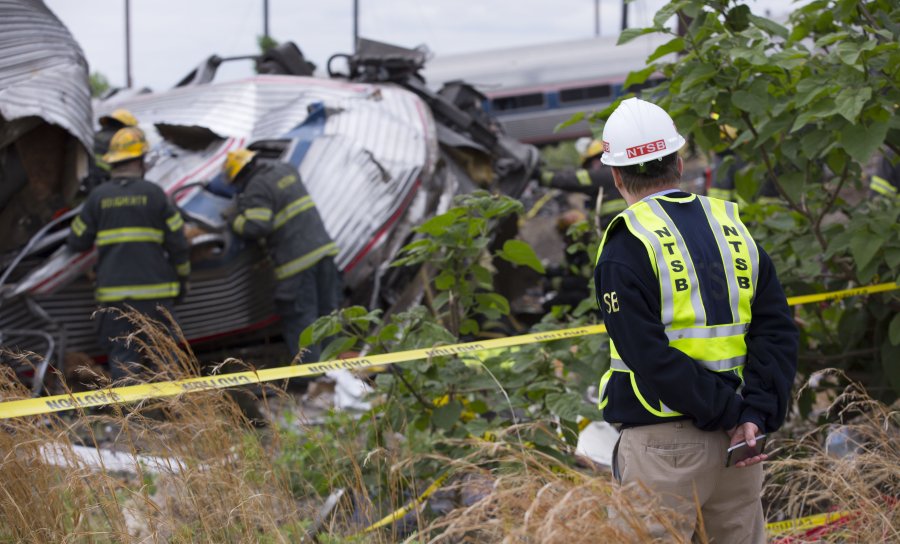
(273, 205)
(98, 169)
(886, 180)
(144, 260)
(109, 125)
(588, 180)
(702, 342)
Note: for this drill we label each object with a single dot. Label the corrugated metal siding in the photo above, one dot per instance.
(42, 70)
(378, 141)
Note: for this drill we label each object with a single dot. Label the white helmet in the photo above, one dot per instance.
(637, 132)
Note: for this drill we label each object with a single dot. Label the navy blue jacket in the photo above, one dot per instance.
(709, 399)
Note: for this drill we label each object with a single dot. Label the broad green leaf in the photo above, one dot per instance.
(815, 141)
(894, 330)
(851, 327)
(520, 253)
(864, 247)
(829, 39)
(738, 18)
(445, 280)
(631, 33)
(675, 45)
(444, 417)
(482, 275)
(661, 17)
(696, 74)
(439, 224)
(468, 326)
(849, 102)
(494, 301)
(892, 257)
(769, 26)
(576, 118)
(793, 185)
(749, 102)
(890, 354)
(861, 141)
(746, 184)
(565, 405)
(639, 76)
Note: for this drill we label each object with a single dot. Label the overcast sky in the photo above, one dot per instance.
(170, 37)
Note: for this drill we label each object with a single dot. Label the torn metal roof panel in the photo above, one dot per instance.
(42, 70)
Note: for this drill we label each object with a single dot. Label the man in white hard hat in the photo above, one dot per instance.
(703, 345)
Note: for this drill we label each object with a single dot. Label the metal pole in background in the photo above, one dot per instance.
(128, 43)
(355, 23)
(624, 14)
(596, 17)
(265, 18)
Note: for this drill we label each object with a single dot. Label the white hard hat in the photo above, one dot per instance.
(639, 131)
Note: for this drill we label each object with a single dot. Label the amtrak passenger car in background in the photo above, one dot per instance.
(531, 90)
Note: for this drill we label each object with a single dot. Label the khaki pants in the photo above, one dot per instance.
(686, 468)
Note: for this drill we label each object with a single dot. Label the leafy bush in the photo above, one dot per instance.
(810, 105)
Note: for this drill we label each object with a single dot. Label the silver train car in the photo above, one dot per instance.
(530, 90)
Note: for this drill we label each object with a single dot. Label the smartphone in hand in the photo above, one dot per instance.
(741, 451)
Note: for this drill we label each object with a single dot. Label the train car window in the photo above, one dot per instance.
(517, 102)
(638, 87)
(580, 94)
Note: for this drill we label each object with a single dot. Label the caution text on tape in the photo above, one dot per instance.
(133, 393)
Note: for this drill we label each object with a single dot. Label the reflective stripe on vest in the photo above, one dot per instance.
(175, 222)
(130, 234)
(78, 226)
(303, 262)
(137, 292)
(882, 186)
(292, 210)
(718, 348)
(583, 177)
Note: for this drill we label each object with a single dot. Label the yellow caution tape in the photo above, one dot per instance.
(845, 293)
(809, 522)
(132, 393)
(405, 509)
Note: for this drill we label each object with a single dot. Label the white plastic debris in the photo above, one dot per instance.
(350, 392)
(596, 441)
(102, 459)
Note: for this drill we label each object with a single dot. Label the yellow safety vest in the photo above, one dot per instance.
(719, 348)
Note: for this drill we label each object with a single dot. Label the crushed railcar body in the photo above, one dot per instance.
(378, 155)
(45, 141)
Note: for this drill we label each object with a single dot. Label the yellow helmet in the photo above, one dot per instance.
(593, 149)
(127, 143)
(235, 161)
(121, 117)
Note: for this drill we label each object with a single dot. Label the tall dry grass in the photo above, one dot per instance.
(217, 477)
(806, 479)
(217, 480)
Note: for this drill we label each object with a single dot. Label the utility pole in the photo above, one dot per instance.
(355, 24)
(596, 17)
(265, 19)
(624, 14)
(128, 81)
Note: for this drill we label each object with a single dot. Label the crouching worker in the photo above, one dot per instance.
(273, 205)
(702, 342)
(144, 260)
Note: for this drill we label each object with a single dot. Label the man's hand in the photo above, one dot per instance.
(746, 431)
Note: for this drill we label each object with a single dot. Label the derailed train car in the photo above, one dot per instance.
(378, 151)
